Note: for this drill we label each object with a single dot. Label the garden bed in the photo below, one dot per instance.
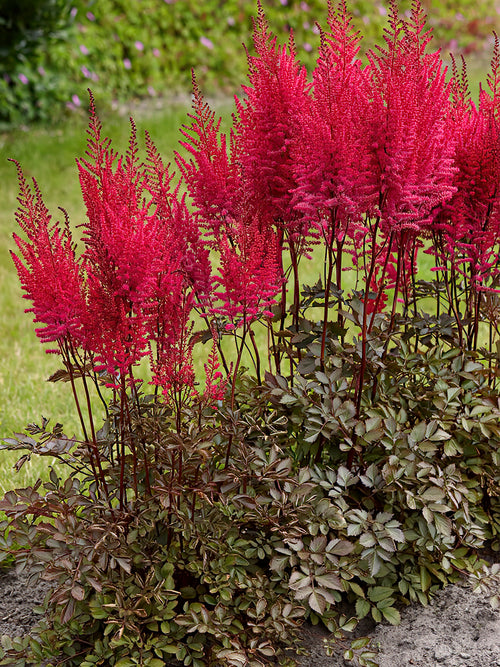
(458, 629)
(338, 460)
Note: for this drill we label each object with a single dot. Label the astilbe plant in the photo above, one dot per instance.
(467, 233)
(359, 463)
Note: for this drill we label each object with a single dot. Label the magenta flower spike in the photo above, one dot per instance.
(48, 269)
(413, 146)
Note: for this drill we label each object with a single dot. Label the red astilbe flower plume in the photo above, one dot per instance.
(470, 223)
(249, 275)
(122, 252)
(265, 130)
(186, 249)
(336, 169)
(171, 347)
(183, 283)
(414, 148)
(215, 383)
(143, 256)
(50, 273)
(212, 179)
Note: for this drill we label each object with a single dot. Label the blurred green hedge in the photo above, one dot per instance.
(54, 50)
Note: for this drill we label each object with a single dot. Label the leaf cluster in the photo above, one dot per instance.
(317, 507)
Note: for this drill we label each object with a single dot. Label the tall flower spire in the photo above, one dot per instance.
(413, 149)
(49, 271)
(335, 167)
(265, 128)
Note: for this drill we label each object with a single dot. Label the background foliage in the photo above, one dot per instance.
(56, 49)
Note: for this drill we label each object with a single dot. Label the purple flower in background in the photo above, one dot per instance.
(151, 91)
(127, 64)
(76, 100)
(84, 50)
(88, 74)
(284, 2)
(23, 78)
(307, 47)
(156, 53)
(73, 12)
(304, 6)
(206, 42)
(41, 71)
(231, 21)
(139, 45)
(90, 16)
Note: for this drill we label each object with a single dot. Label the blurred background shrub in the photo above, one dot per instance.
(51, 51)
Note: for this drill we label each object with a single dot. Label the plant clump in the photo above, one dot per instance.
(343, 450)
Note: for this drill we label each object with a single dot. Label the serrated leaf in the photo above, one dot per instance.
(322, 377)
(433, 494)
(362, 608)
(340, 547)
(298, 580)
(392, 615)
(378, 593)
(356, 588)
(360, 643)
(367, 540)
(395, 533)
(287, 399)
(125, 662)
(443, 524)
(317, 603)
(330, 580)
(279, 563)
(440, 435)
(318, 544)
(387, 544)
(418, 433)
